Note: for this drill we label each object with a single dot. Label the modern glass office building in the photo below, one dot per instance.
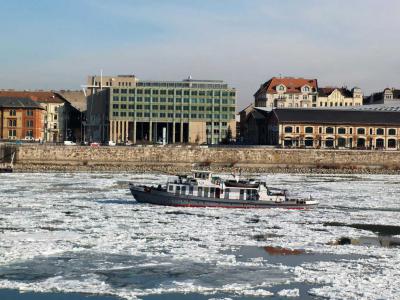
(188, 111)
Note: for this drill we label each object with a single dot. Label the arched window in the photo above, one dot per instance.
(281, 88)
(391, 143)
(309, 142)
(342, 130)
(288, 129)
(341, 142)
(380, 131)
(392, 131)
(329, 143)
(360, 130)
(380, 143)
(329, 130)
(360, 143)
(309, 130)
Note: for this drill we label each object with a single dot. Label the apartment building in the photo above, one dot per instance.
(287, 92)
(20, 119)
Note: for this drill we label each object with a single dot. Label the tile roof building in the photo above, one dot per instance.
(20, 119)
(304, 93)
(57, 111)
(287, 92)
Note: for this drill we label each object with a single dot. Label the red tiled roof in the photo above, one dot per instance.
(293, 85)
(38, 96)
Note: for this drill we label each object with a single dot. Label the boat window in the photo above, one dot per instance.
(183, 190)
(212, 191)
(206, 192)
(241, 194)
(171, 188)
(191, 190)
(227, 193)
(199, 191)
(178, 189)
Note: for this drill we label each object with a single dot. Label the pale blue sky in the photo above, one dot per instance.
(54, 44)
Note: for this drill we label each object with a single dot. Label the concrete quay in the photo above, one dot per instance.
(172, 159)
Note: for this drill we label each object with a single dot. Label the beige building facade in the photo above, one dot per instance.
(317, 128)
(336, 97)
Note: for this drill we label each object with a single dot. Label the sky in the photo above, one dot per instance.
(56, 44)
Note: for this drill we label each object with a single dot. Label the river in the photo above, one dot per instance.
(82, 236)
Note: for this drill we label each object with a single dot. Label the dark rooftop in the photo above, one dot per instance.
(337, 116)
(12, 102)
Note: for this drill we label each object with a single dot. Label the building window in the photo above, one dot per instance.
(360, 131)
(124, 91)
(392, 131)
(29, 133)
(12, 133)
(288, 129)
(115, 106)
(329, 130)
(380, 131)
(115, 114)
(123, 114)
(341, 142)
(392, 143)
(115, 98)
(116, 91)
(342, 130)
(29, 112)
(29, 123)
(12, 123)
(329, 143)
(380, 143)
(13, 112)
(309, 130)
(309, 142)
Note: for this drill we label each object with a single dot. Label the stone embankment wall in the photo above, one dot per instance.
(184, 158)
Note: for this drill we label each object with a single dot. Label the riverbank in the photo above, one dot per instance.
(177, 159)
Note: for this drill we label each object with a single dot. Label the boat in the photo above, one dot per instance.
(203, 189)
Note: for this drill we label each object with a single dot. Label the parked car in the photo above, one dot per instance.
(111, 143)
(94, 144)
(69, 143)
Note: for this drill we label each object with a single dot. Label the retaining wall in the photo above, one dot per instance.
(175, 158)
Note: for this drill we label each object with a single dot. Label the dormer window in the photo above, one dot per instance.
(306, 89)
(281, 88)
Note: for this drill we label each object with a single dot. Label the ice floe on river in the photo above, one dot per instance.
(83, 232)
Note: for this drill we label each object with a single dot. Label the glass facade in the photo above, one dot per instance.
(211, 102)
